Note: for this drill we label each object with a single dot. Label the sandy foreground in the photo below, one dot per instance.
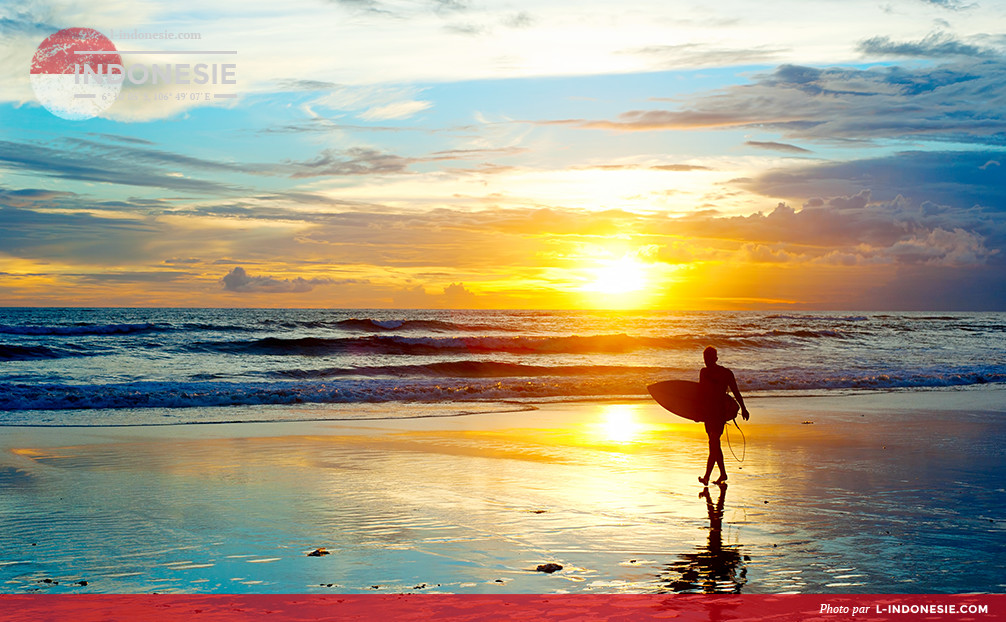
(871, 493)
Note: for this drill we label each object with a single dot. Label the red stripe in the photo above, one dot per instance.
(634, 608)
(56, 54)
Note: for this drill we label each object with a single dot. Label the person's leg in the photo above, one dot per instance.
(713, 431)
(716, 454)
(719, 462)
(710, 461)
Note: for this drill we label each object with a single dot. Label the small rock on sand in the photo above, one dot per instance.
(548, 568)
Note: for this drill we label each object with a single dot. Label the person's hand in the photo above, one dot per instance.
(745, 414)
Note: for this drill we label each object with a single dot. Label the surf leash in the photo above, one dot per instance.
(744, 444)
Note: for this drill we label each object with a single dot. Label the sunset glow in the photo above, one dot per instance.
(519, 155)
(619, 276)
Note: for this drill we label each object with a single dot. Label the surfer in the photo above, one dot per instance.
(714, 380)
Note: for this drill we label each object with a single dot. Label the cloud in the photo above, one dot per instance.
(369, 102)
(772, 146)
(855, 229)
(703, 55)
(673, 168)
(680, 167)
(760, 253)
(453, 296)
(522, 19)
(952, 5)
(933, 45)
(238, 280)
(82, 165)
(75, 236)
(960, 179)
(140, 163)
(163, 276)
(354, 161)
(397, 110)
(950, 102)
(942, 247)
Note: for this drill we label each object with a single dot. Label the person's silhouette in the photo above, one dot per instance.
(714, 380)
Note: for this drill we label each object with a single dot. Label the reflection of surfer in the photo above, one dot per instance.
(714, 380)
(718, 568)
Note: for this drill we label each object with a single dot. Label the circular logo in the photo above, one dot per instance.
(76, 73)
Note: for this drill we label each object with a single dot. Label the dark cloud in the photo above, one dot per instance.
(856, 230)
(772, 146)
(163, 276)
(951, 102)
(73, 236)
(960, 179)
(85, 166)
(934, 45)
(238, 280)
(136, 163)
(129, 140)
(355, 161)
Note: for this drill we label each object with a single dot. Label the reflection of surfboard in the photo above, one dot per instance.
(684, 399)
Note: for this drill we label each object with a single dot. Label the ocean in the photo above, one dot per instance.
(127, 366)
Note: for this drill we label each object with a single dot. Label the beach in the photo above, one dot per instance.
(860, 492)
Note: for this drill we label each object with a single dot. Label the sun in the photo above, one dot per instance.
(618, 276)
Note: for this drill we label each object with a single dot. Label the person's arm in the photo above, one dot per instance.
(740, 400)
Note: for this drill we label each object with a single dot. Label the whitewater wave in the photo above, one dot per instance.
(633, 382)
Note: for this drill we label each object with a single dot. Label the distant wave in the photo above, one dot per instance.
(399, 345)
(465, 369)
(81, 329)
(367, 324)
(822, 318)
(379, 326)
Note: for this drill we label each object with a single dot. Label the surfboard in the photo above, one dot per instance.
(683, 398)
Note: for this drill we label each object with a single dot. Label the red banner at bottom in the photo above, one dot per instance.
(553, 608)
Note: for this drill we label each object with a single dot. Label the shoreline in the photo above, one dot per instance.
(474, 503)
(950, 397)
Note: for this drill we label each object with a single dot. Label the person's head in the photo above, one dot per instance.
(710, 356)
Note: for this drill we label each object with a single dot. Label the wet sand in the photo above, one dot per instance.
(871, 493)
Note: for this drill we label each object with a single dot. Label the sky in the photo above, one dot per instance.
(805, 154)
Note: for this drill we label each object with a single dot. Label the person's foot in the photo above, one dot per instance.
(704, 480)
(722, 481)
